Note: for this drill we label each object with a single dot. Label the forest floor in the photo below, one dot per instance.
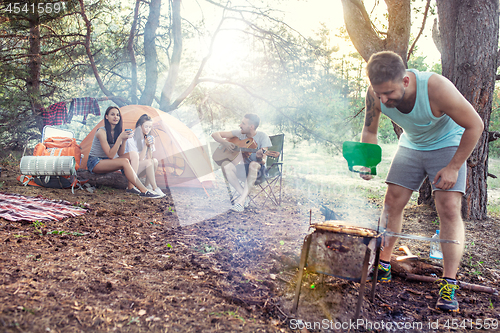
(135, 265)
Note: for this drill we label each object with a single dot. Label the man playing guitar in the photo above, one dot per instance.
(245, 168)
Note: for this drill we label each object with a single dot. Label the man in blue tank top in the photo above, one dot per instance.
(441, 129)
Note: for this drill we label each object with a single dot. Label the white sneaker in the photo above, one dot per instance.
(159, 192)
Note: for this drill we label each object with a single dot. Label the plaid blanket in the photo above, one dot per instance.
(15, 207)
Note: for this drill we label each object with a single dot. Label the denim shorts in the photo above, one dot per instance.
(93, 160)
(409, 168)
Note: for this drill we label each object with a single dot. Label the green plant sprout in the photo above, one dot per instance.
(38, 225)
(33, 311)
(133, 320)
(57, 232)
(476, 266)
(35, 258)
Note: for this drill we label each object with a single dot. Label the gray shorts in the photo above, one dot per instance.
(409, 168)
(242, 171)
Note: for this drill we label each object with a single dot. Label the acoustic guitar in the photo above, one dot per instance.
(245, 146)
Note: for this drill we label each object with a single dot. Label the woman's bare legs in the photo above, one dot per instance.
(110, 165)
(133, 157)
(148, 166)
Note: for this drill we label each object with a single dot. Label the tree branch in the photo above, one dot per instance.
(279, 109)
(118, 100)
(195, 80)
(427, 5)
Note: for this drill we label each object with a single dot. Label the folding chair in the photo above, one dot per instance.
(270, 185)
(49, 131)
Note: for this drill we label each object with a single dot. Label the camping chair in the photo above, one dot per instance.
(270, 184)
(49, 131)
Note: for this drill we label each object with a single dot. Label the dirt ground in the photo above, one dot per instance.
(134, 265)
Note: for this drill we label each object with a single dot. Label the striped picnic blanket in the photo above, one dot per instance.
(15, 207)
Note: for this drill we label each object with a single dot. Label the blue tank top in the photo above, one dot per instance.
(422, 130)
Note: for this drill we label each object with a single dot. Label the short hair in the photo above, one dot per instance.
(385, 66)
(254, 119)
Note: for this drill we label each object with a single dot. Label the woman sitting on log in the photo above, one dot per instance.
(107, 145)
(140, 148)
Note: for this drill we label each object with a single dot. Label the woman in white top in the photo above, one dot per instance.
(140, 148)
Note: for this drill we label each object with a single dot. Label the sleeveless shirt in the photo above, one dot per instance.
(422, 130)
(96, 149)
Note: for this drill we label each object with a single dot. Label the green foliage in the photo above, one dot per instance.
(417, 63)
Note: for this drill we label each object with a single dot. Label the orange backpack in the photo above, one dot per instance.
(56, 146)
(59, 146)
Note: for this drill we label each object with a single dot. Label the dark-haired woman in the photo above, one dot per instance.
(140, 148)
(108, 143)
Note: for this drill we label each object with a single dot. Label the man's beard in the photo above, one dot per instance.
(392, 103)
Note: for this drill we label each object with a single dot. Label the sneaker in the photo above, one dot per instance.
(133, 190)
(237, 208)
(159, 192)
(446, 300)
(149, 194)
(384, 274)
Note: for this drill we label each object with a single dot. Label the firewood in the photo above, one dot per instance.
(464, 285)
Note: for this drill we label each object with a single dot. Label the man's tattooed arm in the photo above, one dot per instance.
(370, 109)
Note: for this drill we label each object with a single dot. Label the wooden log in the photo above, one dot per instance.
(464, 285)
(112, 179)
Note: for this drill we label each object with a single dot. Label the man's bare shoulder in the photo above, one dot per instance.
(439, 85)
(444, 97)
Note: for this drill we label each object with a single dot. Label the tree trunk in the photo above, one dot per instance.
(173, 71)
(365, 37)
(150, 55)
(34, 68)
(131, 54)
(111, 179)
(469, 38)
